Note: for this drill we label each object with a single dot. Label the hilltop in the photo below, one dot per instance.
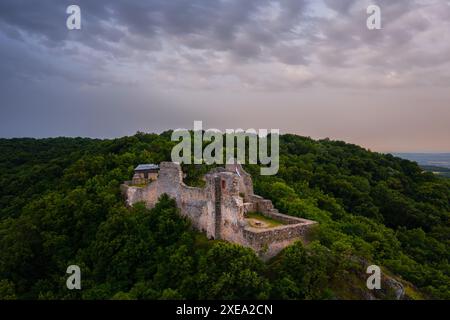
(60, 204)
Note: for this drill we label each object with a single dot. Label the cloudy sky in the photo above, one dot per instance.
(309, 67)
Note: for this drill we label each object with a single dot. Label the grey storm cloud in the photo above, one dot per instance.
(251, 31)
(181, 59)
(216, 21)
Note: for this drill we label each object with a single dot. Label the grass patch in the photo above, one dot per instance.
(142, 185)
(413, 293)
(269, 221)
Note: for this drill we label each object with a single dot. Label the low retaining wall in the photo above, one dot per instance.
(269, 242)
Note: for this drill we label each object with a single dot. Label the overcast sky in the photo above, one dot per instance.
(309, 67)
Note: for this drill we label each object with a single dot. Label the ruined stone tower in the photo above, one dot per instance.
(221, 209)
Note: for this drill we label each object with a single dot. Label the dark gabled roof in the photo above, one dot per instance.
(149, 166)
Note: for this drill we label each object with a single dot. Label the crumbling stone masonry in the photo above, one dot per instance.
(219, 209)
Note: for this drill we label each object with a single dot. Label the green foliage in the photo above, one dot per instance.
(7, 291)
(60, 204)
(229, 271)
(303, 273)
(270, 222)
(378, 207)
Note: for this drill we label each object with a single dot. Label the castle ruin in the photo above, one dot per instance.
(226, 208)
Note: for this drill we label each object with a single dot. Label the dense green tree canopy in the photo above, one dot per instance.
(60, 204)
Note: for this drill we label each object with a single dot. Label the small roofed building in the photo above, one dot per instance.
(145, 173)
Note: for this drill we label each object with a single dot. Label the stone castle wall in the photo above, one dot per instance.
(195, 203)
(219, 208)
(269, 242)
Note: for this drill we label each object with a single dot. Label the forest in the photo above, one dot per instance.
(60, 205)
